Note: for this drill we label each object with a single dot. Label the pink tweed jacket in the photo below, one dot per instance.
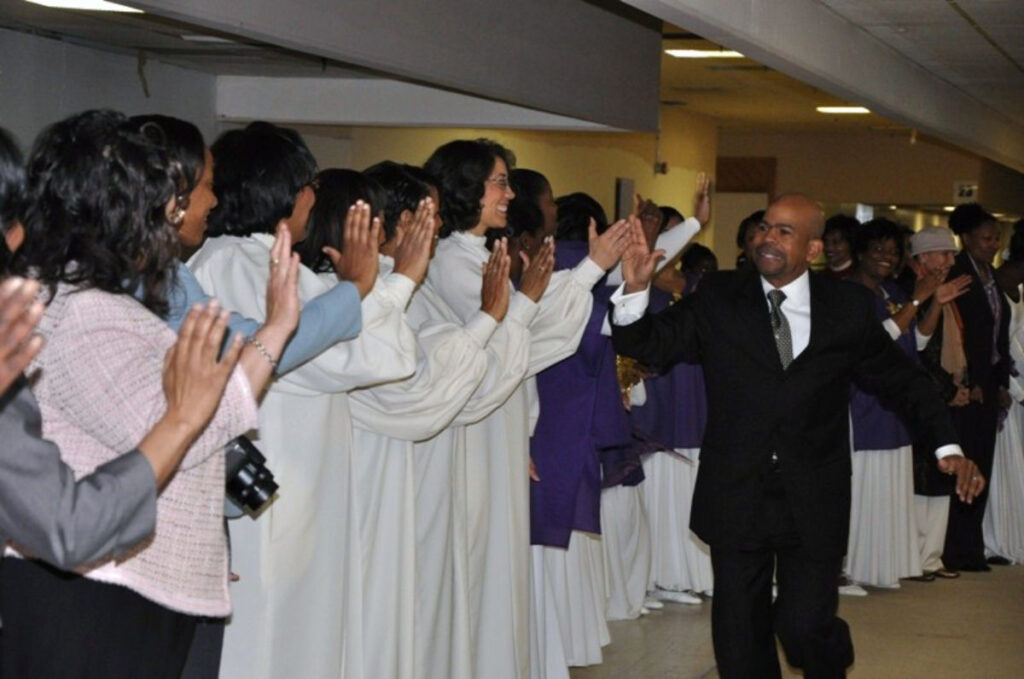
(98, 381)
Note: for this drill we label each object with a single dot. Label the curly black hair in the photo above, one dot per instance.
(257, 176)
(968, 217)
(184, 145)
(97, 195)
(878, 229)
(575, 211)
(12, 181)
(461, 167)
(402, 191)
(336, 191)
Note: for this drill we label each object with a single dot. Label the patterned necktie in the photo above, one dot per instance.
(780, 328)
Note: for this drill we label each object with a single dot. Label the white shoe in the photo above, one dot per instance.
(709, 593)
(676, 597)
(852, 590)
(653, 604)
(644, 611)
(894, 585)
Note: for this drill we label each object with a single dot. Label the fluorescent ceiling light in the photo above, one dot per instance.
(704, 54)
(842, 109)
(948, 208)
(91, 5)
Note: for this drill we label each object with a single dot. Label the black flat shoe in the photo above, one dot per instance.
(924, 577)
(998, 561)
(976, 567)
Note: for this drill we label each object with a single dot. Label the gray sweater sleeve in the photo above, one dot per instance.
(50, 515)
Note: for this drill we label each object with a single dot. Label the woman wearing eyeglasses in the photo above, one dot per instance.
(491, 492)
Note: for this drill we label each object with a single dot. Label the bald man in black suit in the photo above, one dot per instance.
(780, 348)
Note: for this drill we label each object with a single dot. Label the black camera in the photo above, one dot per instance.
(250, 485)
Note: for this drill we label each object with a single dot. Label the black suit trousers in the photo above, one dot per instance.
(744, 621)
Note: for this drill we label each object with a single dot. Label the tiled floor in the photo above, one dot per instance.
(971, 628)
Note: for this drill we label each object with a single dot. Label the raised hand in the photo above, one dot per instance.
(649, 215)
(537, 271)
(950, 290)
(607, 249)
(412, 252)
(495, 288)
(638, 261)
(358, 263)
(702, 201)
(194, 379)
(20, 311)
(282, 285)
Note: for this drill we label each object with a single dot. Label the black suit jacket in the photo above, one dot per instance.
(801, 413)
(979, 324)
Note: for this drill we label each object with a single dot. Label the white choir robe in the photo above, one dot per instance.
(495, 486)
(441, 618)
(297, 605)
(387, 419)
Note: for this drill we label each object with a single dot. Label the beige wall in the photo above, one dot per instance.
(876, 167)
(572, 161)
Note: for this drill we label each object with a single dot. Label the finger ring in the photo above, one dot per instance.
(975, 478)
(274, 261)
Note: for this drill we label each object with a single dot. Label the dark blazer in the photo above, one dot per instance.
(979, 323)
(755, 407)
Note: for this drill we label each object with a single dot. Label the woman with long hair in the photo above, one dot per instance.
(100, 199)
(493, 488)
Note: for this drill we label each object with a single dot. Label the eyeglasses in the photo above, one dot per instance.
(501, 182)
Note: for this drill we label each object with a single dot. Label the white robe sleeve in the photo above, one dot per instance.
(451, 360)
(235, 270)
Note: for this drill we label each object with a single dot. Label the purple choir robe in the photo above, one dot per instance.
(581, 414)
(876, 425)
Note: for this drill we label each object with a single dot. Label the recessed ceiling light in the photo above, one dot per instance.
(892, 207)
(91, 5)
(948, 208)
(704, 54)
(199, 37)
(842, 109)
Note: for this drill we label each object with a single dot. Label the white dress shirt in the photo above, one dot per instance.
(629, 308)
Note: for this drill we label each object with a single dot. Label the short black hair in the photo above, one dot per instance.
(12, 181)
(575, 210)
(749, 222)
(878, 229)
(694, 254)
(968, 217)
(97, 192)
(257, 176)
(524, 213)
(402, 191)
(336, 191)
(461, 167)
(184, 145)
(667, 214)
(845, 225)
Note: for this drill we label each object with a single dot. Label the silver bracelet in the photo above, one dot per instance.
(260, 347)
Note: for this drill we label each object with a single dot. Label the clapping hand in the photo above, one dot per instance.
(495, 287)
(412, 252)
(638, 262)
(358, 262)
(282, 286)
(702, 201)
(607, 249)
(537, 271)
(20, 311)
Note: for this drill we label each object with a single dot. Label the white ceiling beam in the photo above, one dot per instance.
(370, 101)
(567, 57)
(807, 41)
